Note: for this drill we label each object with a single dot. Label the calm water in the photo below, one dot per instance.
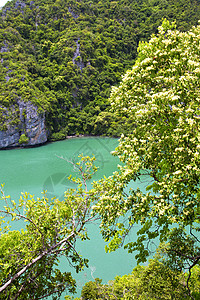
(36, 169)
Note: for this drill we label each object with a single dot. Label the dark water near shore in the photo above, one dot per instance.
(36, 169)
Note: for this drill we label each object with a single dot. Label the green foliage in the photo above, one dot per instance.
(29, 257)
(90, 291)
(161, 97)
(154, 281)
(65, 56)
(58, 136)
(23, 139)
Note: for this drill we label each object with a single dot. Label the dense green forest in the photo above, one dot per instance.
(155, 281)
(65, 55)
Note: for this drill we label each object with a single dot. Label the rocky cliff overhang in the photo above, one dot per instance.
(30, 125)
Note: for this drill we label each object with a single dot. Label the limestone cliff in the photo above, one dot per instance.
(31, 125)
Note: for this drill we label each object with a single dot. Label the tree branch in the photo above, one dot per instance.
(190, 268)
(39, 257)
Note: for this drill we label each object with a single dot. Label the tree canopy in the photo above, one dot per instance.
(155, 281)
(29, 257)
(161, 97)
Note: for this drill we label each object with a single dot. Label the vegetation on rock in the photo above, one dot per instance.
(64, 56)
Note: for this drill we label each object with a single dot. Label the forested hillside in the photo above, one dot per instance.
(60, 58)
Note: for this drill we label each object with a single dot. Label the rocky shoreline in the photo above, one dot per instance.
(49, 141)
(29, 131)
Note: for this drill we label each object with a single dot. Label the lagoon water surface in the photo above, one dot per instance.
(36, 169)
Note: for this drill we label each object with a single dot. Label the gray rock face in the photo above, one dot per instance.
(74, 15)
(80, 64)
(4, 48)
(31, 123)
(9, 138)
(20, 4)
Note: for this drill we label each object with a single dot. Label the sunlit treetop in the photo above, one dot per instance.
(161, 96)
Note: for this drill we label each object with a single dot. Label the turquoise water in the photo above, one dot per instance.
(36, 169)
